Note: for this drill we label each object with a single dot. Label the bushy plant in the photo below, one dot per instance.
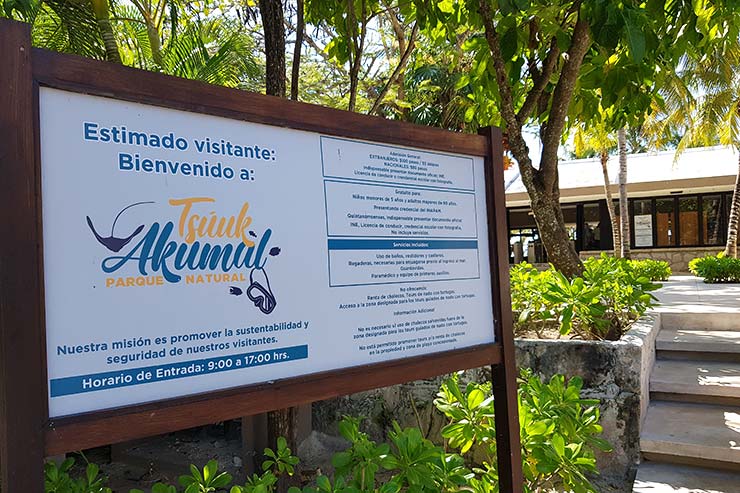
(559, 433)
(558, 429)
(530, 308)
(716, 268)
(602, 304)
(655, 270)
(57, 479)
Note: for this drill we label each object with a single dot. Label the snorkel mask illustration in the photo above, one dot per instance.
(259, 291)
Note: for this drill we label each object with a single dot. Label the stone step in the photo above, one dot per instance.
(723, 320)
(696, 381)
(653, 477)
(723, 342)
(692, 433)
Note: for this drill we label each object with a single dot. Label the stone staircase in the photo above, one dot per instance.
(690, 440)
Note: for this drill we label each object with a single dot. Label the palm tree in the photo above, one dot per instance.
(215, 50)
(703, 102)
(623, 210)
(598, 138)
(101, 9)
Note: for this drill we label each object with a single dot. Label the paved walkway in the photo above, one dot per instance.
(689, 294)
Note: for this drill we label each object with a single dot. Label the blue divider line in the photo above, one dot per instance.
(405, 244)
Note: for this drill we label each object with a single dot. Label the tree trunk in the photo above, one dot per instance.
(616, 234)
(274, 29)
(623, 209)
(102, 16)
(542, 183)
(154, 43)
(295, 72)
(551, 226)
(282, 422)
(396, 77)
(732, 226)
(356, 49)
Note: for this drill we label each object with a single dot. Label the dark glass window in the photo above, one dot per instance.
(688, 220)
(710, 218)
(521, 218)
(570, 217)
(592, 227)
(642, 218)
(665, 219)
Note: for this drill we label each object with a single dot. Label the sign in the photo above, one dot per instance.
(178, 254)
(186, 253)
(644, 230)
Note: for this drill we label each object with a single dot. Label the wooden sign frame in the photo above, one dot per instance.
(27, 435)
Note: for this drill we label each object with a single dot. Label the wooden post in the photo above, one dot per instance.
(23, 406)
(503, 374)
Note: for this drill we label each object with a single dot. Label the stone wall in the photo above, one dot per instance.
(677, 258)
(616, 373)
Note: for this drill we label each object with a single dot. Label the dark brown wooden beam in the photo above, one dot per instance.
(503, 374)
(108, 79)
(23, 400)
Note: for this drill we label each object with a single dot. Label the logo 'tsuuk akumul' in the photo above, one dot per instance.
(197, 248)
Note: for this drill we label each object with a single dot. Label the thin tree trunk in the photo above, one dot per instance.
(295, 72)
(154, 42)
(358, 42)
(274, 29)
(102, 16)
(616, 236)
(397, 75)
(732, 226)
(623, 209)
(281, 422)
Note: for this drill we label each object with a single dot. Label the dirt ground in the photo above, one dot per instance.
(142, 463)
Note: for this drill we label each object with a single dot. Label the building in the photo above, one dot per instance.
(678, 209)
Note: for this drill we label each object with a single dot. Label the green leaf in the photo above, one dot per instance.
(558, 443)
(475, 398)
(635, 38)
(509, 43)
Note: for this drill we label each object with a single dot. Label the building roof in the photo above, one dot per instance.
(702, 169)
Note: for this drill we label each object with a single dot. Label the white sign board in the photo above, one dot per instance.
(644, 230)
(185, 253)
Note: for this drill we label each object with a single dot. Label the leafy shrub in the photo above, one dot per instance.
(602, 304)
(655, 270)
(559, 433)
(716, 269)
(58, 480)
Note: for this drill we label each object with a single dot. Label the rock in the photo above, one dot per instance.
(237, 461)
(317, 450)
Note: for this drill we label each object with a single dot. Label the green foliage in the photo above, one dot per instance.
(655, 270)
(282, 461)
(602, 304)
(716, 269)
(558, 429)
(559, 433)
(206, 481)
(58, 480)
